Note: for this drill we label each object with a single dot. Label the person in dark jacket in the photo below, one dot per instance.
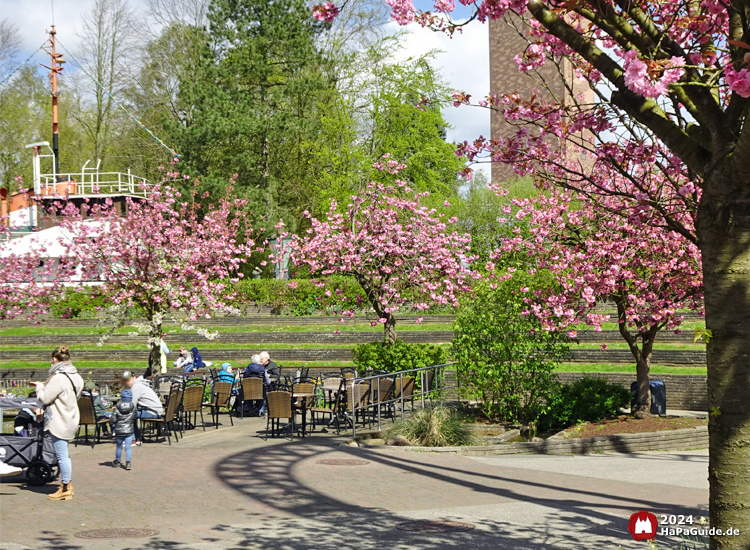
(197, 361)
(255, 368)
(123, 427)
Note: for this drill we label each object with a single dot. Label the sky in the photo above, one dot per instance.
(464, 62)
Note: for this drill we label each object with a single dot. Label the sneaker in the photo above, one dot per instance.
(116, 463)
(137, 442)
(127, 465)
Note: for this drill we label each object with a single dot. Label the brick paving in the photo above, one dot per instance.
(230, 489)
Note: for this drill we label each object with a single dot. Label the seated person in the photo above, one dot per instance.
(271, 368)
(226, 375)
(255, 368)
(89, 390)
(144, 398)
(185, 359)
(197, 362)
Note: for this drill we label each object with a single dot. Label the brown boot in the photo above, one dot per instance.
(64, 492)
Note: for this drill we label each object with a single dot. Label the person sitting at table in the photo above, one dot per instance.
(271, 368)
(185, 358)
(255, 368)
(226, 374)
(144, 399)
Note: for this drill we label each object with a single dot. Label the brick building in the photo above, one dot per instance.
(505, 44)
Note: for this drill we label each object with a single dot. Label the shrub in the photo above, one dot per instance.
(433, 426)
(81, 302)
(398, 356)
(586, 400)
(504, 358)
(301, 296)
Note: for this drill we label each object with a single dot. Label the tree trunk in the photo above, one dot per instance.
(389, 329)
(642, 357)
(643, 382)
(723, 227)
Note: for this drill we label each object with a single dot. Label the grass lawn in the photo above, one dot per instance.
(606, 367)
(623, 345)
(201, 346)
(343, 327)
(84, 366)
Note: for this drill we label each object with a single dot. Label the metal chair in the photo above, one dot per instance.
(88, 418)
(279, 406)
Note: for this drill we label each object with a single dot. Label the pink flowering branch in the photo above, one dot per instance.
(396, 248)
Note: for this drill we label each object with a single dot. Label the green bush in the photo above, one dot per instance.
(586, 400)
(301, 296)
(398, 356)
(81, 302)
(504, 358)
(433, 426)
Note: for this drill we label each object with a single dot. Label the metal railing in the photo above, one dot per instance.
(431, 381)
(92, 182)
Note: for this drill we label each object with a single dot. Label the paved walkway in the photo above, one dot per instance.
(228, 489)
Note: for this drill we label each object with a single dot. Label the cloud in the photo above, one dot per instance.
(464, 65)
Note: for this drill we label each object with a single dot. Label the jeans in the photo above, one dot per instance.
(143, 414)
(124, 440)
(63, 460)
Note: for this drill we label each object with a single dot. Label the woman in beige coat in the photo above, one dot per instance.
(60, 394)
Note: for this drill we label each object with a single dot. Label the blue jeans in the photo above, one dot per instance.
(63, 460)
(126, 441)
(143, 414)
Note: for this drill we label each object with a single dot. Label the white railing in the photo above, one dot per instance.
(92, 182)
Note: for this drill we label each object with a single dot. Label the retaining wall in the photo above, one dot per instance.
(668, 440)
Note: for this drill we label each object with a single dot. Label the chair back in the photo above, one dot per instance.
(404, 387)
(252, 388)
(385, 393)
(429, 376)
(86, 410)
(279, 404)
(348, 373)
(358, 396)
(173, 402)
(193, 398)
(306, 387)
(222, 393)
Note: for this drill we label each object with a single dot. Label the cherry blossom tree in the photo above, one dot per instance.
(28, 277)
(168, 257)
(671, 87)
(598, 255)
(397, 249)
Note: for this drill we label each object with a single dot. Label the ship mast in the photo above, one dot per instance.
(56, 61)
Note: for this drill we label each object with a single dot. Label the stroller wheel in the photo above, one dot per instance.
(38, 473)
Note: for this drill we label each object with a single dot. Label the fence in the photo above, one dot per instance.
(91, 183)
(431, 381)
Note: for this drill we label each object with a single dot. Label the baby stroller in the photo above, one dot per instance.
(33, 453)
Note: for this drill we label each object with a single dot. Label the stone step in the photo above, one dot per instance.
(696, 358)
(190, 339)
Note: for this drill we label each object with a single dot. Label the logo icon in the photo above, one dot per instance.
(643, 525)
